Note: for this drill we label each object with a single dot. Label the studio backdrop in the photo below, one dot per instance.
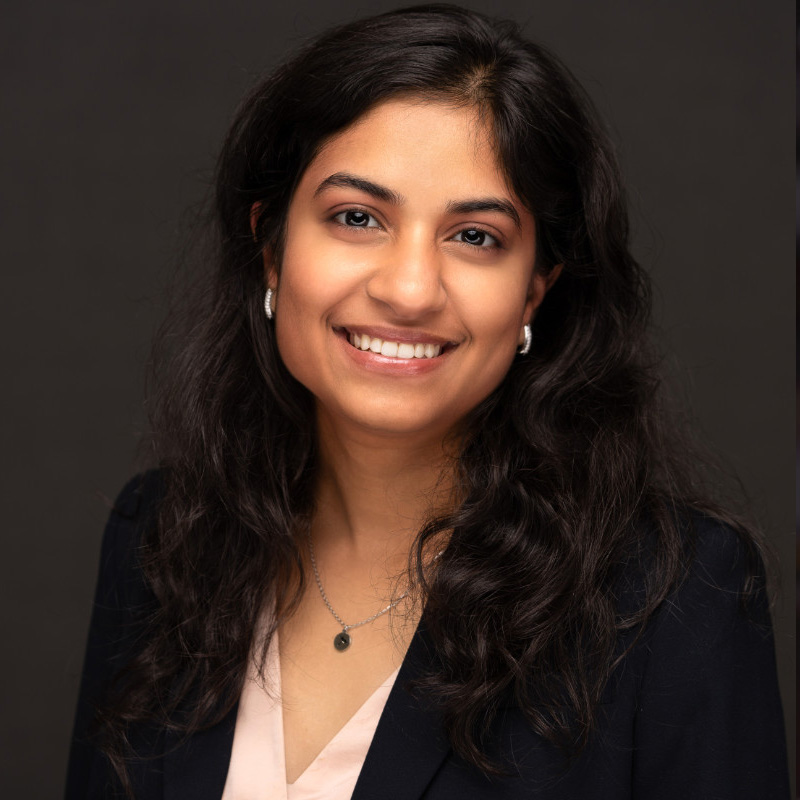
(112, 117)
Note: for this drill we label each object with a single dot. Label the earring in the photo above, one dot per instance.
(268, 304)
(524, 349)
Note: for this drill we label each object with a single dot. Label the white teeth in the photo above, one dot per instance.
(404, 351)
(394, 349)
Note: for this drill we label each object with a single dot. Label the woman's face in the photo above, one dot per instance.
(403, 238)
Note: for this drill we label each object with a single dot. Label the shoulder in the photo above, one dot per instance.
(718, 552)
(139, 496)
(702, 566)
(694, 597)
(723, 576)
(718, 611)
(120, 579)
(122, 606)
(124, 600)
(707, 714)
(133, 509)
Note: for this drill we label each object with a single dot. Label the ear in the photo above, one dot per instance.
(540, 286)
(270, 273)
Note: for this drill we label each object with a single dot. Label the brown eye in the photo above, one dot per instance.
(354, 218)
(477, 238)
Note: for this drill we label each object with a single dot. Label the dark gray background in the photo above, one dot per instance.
(112, 114)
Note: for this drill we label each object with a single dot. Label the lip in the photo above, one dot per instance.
(375, 362)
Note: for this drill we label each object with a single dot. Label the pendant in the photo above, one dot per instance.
(341, 641)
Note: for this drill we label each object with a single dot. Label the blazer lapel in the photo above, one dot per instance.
(410, 742)
(408, 747)
(196, 767)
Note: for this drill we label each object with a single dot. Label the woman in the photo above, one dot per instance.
(420, 528)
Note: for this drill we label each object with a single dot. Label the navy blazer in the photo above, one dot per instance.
(692, 712)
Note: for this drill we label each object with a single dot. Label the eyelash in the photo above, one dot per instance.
(496, 246)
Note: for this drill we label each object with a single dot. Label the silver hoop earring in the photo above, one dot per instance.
(268, 304)
(526, 347)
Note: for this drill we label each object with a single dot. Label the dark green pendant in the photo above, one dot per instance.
(341, 641)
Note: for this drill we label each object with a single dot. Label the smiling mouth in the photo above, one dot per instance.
(395, 349)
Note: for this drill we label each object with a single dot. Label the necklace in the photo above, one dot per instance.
(342, 640)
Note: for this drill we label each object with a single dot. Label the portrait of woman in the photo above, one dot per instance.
(419, 521)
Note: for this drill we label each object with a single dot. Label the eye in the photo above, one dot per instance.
(477, 238)
(354, 218)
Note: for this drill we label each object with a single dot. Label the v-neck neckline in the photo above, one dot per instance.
(259, 758)
(372, 706)
(407, 748)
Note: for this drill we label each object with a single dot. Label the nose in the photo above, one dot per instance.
(408, 279)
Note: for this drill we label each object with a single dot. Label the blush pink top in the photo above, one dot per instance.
(257, 769)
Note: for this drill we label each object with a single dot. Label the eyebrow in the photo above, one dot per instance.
(345, 179)
(486, 204)
(362, 184)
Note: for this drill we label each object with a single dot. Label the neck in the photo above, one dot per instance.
(374, 492)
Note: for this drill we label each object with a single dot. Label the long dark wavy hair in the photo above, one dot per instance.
(570, 469)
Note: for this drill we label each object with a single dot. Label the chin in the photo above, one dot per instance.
(401, 422)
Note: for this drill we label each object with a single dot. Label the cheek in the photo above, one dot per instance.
(313, 283)
(297, 303)
(304, 278)
(316, 271)
(492, 309)
(300, 305)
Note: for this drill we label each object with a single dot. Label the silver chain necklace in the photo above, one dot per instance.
(342, 640)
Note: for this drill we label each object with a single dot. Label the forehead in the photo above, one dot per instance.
(417, 147)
